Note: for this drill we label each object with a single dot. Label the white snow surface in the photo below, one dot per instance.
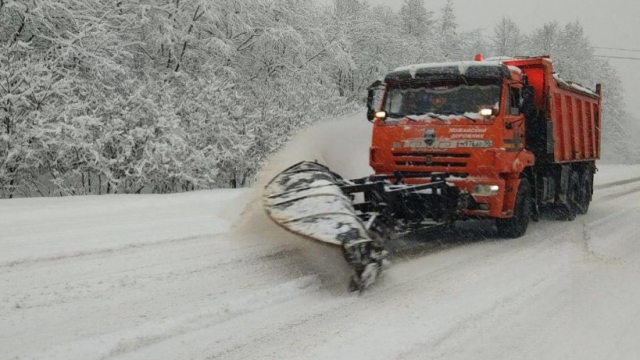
(206, 275)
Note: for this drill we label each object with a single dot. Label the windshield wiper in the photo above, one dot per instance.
(462, 114)
(469, 117)
(435, 116)
(397, 116)
(414, 116)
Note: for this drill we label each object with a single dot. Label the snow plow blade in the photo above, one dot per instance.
(307, 199)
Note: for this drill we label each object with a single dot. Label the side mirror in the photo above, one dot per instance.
(372, 91)
(527, 100)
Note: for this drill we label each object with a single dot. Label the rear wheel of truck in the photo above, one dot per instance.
(569, 211)
(584, 194)
(517, 225)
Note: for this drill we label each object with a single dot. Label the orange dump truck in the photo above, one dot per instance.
(509, 133)
(501, 140)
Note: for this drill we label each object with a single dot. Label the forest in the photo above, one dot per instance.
(161, 96)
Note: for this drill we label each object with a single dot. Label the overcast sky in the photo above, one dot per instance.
(608, 23)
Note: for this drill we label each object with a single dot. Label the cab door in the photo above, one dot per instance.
(514, 126)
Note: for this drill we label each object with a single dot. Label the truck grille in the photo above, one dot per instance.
(431, 159)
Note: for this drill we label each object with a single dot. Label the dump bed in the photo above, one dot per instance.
(571, 111)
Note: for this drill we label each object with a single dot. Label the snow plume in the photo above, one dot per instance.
(343, 145)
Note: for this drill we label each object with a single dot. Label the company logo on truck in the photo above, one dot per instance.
(430, 137)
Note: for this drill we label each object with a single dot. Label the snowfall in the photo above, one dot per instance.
(207, 275)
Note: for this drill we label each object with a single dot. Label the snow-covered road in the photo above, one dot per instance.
(206, 275)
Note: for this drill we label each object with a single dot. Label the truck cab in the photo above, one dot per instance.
(460, 120)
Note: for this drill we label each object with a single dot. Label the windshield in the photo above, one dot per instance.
(455, 99)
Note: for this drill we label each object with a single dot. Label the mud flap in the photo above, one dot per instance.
(307, 199)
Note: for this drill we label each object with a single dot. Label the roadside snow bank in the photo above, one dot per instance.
(46, 228)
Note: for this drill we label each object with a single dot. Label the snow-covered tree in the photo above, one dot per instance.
(508, 40)
(416, 19)
(616, 137)
(449, 42)
(574, 55)
(544, 40)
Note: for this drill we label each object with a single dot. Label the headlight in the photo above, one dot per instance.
(486, 190)
(381, 115)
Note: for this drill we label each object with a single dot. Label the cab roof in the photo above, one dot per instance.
(435, 71)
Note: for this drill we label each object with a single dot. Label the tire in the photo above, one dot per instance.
(517, 225)
(585, 190)
(569, 211)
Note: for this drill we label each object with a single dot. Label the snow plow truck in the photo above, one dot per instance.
(486, 139)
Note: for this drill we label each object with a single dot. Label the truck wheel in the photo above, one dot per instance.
(517, 225)
(585, 189)
(569, 211)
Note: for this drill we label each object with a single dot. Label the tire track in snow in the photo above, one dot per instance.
(614, 226)
(85, 253)
(616, 183)
(398, 284)
(127, 341)
(185, 262)
(619, 194)
(158, 286)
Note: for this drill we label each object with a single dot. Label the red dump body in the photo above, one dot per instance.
(573, 112)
